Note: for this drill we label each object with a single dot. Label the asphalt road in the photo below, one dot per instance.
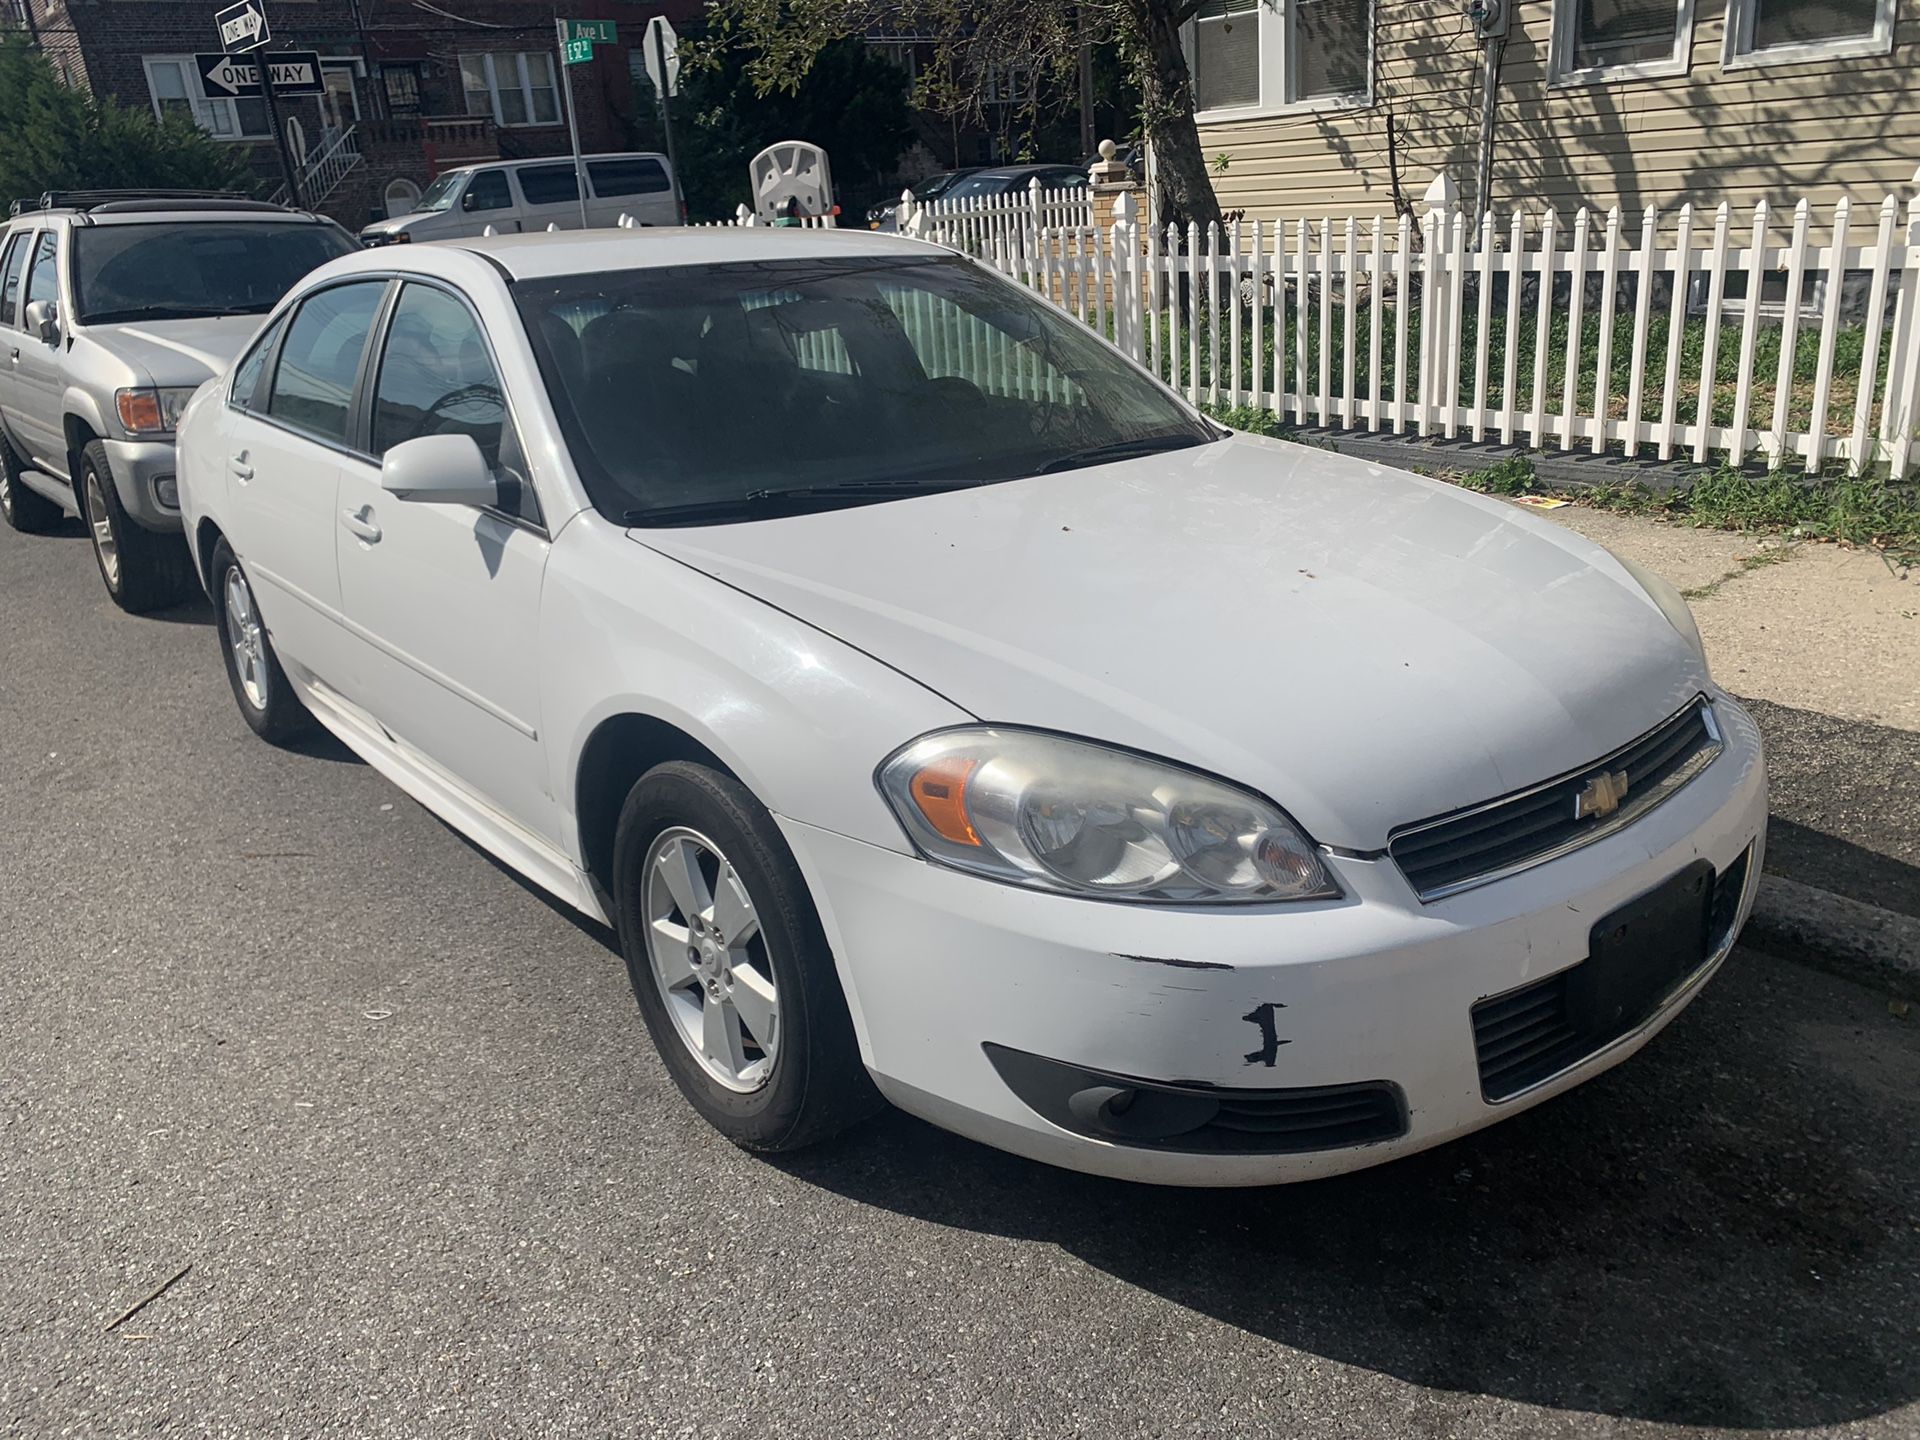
(264, 1017)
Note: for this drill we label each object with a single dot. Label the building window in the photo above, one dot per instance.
(515, 89)
(1620, 39)
(1781, 32)
(1267, 54)
(174, 83)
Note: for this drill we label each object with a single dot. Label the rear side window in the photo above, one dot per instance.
(313, 382)
(246, 380)
(548, 184)
(638, 176)
(487, 191)
(42, 280)
(15, 263)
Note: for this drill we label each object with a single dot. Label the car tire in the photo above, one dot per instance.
(143, 571)
(267, 702)
(24, 510)
(774, 1092)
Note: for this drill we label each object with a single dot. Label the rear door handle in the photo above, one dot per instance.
(360, 522)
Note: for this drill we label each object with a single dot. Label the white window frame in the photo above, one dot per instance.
(1737, 52)
(199, 102)
(1561, 69)
(1279, 80)
(521, 80)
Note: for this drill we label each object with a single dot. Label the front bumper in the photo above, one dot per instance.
(944, 971)
(139, 467)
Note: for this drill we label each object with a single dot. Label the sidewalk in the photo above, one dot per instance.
(1824, 644)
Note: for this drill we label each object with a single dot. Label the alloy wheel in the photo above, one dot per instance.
(101, 524)
(710, 959)
(247, 640)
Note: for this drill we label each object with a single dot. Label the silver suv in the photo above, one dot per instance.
(114, 307)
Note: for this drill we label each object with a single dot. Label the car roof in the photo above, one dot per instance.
(1018, 170)
(527, 160)
(157, 216)
(576, 252)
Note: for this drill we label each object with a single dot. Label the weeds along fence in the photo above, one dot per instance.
(1691, 335)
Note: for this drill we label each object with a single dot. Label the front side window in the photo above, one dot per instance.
(173, 81)
(549, 184)
(514, 88)
(12, 268)
(1247, 54)
(436, 377)
(43, 280)
(312, 388)
(1620, 39)
(893, 375)
(1762, 32)
(185, 270)
(488, 191)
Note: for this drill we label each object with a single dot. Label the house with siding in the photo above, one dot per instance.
(1352, 107)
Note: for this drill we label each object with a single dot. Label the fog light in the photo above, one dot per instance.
(166, 490)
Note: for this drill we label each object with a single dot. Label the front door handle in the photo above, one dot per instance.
(240, 467)
(360, 522)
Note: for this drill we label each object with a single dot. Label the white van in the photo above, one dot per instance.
(514, 195)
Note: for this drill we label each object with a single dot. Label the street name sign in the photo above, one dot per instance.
(295, 72)
(242, 27)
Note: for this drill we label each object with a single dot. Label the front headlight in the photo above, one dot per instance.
(150, 411)
(1672, 604)
(1055, 814)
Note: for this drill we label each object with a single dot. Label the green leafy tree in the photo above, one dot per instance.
(851, 102)
(978, 42)
(53, 137)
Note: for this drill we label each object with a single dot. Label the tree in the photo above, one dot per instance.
(53, 137)
(976, 41)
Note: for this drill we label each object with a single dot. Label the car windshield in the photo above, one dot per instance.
(934, 186)
(707, 393)
(440, 194)
(973, 185)
(179, 271)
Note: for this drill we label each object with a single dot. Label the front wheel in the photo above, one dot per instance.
(143, 571)
(729, 963)
(267, 702)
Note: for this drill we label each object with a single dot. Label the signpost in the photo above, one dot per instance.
(243, 27)
(662, 55)
(576, 39)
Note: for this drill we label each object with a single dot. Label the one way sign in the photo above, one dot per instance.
(242, 26)
(295, 72)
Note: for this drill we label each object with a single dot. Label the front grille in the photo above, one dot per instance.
(1154, 1115)
(1451, 853)
(1526, 1036)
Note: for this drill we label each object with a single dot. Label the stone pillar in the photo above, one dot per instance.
(1109, 179)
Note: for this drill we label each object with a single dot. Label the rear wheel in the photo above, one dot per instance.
(21, 508)
(143, 570)
(267, 702)
(729, 963)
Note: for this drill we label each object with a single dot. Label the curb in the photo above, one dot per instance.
(1856, 941)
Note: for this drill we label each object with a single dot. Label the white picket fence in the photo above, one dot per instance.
(1443, 328)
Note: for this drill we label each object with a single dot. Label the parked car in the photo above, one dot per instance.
(516, 195)
(114, 306)
(1017, 179)
(886, 217)
(942, 709)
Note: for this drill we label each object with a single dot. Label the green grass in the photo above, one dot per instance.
(1857, 510)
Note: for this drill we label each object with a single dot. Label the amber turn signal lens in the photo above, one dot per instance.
(940, 792)
(140, 411)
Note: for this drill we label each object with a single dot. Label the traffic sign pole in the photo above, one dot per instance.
(573, 121)
(658, 35)
(279, 133)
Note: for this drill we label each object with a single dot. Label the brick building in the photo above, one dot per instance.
(412, 86)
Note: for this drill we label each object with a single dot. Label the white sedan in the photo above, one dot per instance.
(944, 711)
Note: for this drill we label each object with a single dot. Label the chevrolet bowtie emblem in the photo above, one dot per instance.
(1601, 795)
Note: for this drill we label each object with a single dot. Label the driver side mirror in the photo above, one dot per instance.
(466, 201)
(43, 319)
(440, 470)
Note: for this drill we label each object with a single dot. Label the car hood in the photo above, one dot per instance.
(178, 352)
(1364, 646)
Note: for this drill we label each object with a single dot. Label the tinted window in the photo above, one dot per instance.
(313, 381)
(436, 378)
(548, 184)
(42, 280)
(931, 374)
(160, 272)
(246, 380)
(487, 192)
(627, 177)
(15, 264)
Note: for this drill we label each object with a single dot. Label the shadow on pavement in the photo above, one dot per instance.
(1721, 1232)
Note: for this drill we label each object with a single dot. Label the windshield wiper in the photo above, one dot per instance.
(173, 312)
(756, 504)
(1119, 450)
